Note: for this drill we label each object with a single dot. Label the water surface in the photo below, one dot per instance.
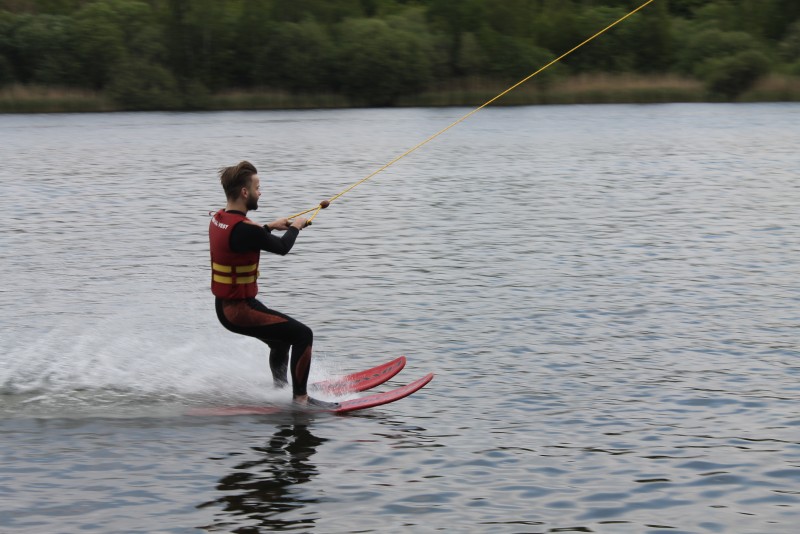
(607, 294)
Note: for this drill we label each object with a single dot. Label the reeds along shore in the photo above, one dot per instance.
(583, 89)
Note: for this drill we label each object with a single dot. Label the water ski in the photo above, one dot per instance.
(370, 401)
(377, 399)
(362, 380)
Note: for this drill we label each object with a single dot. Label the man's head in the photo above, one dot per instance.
(240, 182)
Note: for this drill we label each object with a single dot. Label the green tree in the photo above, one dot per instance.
(7, 23)
(327, 12)
(297, 57)
(164, 53)
(200, 37)
(253, 30)
(685, 8)
(43, 50)
(99, 43)
(513, 18)
(53, 7)
(782, 19)
(140, 85)
(471, 59)
(6, 71)
(729, 62)
(768, 20)
(454, 19)
(651, 39)
(512, 59)
(556, 26)
(122, 50)
(709, 44)
(375, 64)
(789, 49)
(614, 51)
(414, 20)
(733, 75)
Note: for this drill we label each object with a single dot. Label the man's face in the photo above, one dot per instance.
(253, 193)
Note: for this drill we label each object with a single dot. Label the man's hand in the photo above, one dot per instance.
(279, 224)
(300, 223)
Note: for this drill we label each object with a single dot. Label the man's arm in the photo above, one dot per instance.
(246, 237)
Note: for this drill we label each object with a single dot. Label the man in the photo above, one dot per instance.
(236, 245)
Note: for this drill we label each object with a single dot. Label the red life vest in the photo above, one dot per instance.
(233, 274)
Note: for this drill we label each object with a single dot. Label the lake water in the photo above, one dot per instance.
(608, 296)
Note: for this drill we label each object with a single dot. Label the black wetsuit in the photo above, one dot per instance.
(251, 318)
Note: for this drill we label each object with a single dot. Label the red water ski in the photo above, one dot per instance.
(362, 380)
(370, 401)
(378, 399)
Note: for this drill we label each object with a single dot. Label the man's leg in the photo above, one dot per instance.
(251, 318)
(279, 362)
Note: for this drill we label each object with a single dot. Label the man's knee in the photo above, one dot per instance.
(305, 334)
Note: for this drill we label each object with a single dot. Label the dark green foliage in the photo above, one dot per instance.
(140, 85)
(6, 72)
(704, 45)
(685, 8)
(730, 62)
(42, 50)
(375, 63)
(295, 56)
(510, 59)
(730, 76)
(157, 54)
(614, 52)
(789, 49)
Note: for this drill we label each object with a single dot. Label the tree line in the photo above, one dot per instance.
(172, 54)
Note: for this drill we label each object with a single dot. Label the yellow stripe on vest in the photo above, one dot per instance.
(229, 280)
(229, 269)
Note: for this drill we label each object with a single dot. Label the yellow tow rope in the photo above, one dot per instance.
(325, 203)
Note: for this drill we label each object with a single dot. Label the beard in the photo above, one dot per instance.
(252, 203)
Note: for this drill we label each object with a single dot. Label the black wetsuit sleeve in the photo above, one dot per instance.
(246, 237)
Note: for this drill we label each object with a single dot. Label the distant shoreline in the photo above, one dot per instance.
(584, 89)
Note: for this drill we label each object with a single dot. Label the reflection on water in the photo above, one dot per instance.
(263, 488)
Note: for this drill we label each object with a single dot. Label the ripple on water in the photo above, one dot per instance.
(607, 295)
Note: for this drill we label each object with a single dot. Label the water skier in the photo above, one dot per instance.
(236, 243)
